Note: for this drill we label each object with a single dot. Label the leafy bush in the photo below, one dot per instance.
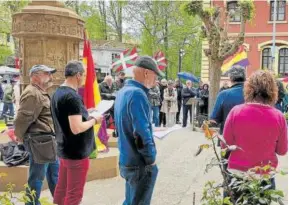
(251, 188)
(10, 198)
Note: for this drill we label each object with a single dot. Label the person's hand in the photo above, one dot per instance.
(213, 122)
(91, 109)
(98, 118)
(19, 140)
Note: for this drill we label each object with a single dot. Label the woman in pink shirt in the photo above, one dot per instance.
(256, 127)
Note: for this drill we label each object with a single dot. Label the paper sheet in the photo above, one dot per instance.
(102, 107)
(163, 133)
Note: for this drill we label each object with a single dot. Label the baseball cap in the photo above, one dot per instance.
(43, 68)
(147, 62)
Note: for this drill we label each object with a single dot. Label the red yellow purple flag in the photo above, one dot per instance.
(91, 91)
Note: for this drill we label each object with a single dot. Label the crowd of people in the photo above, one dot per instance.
(59, 136)
(168, 99)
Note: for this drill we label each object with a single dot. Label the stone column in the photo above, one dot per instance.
(48, 34)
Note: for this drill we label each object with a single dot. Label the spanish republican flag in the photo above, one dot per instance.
(239, 58)
(91, 91)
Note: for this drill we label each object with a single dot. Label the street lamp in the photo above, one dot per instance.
(181, 54)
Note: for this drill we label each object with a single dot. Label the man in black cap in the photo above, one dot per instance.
(134, 128)
(34, 120)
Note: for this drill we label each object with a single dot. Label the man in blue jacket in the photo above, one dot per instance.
(229, 98)
(133, 125)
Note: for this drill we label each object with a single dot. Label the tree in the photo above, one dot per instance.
(7, 9)
(115, 17)
(164, 26)
(220, 45)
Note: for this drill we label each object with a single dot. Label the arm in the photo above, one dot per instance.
(228, 130)
(75, 117)
(185, 94)
(166, 95)
(175, 97)
(154, 95)
(139, 109)
(217, 113)
(29, 110)
(282, 143)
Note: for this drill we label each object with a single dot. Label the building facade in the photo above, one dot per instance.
(258, 36)
(103, 52)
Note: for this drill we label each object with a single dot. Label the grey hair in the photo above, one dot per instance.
(237, 74)
(72, 68)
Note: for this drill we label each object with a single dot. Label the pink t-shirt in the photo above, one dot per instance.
(261, 132)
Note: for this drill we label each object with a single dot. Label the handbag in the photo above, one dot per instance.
(42, 147)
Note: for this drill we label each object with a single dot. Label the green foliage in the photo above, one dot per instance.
(5, 51)
(247, 9)
(193, 8)
(182, 32)
(10, 198)
(212, 195)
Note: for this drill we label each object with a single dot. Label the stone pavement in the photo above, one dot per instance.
(181, 174)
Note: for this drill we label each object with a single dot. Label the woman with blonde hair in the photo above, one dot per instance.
(170, 103)
(259, 129)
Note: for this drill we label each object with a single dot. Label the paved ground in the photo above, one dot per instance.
(181, 175)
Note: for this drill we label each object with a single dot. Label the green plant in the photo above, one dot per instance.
(250, 188)
(10, 198)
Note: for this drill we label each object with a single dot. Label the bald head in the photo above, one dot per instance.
(144, 76)
(189, 83)
(108, 80)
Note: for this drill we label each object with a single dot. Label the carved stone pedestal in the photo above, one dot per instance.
(48, 34)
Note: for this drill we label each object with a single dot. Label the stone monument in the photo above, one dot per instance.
(48, 34)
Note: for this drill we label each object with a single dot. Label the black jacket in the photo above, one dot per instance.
(187, 93)
(106, 92)
(179, 91)
(162, 88)
(13, 154)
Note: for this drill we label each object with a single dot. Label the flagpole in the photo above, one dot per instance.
(274, 37)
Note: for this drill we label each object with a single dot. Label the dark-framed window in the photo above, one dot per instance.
(266, 58)
(233, 6)
(113, 55)
(283, 61)
(280, 11)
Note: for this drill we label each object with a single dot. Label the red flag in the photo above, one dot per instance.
(125, 60)
(161, 60)
(17, 63)
(91, 91)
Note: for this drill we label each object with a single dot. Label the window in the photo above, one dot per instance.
(280, 10)
(283, 61)
(113, 56)
(234, 8)
(266, 58)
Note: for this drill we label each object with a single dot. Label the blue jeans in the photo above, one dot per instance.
(37, 173)
(6, 107)
(140, 182)
(156, 115)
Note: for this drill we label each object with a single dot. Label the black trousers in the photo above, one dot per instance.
(163, 120)
(186, 109)
(179, 111)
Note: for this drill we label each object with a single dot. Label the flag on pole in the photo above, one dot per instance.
(125, 60)
(239, 58)
(161, 60)
(91, 91)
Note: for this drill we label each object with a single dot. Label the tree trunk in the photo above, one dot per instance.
(215, 77)
(119, 23)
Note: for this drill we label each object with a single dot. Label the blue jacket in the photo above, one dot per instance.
(133, 126)
(225, 102)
